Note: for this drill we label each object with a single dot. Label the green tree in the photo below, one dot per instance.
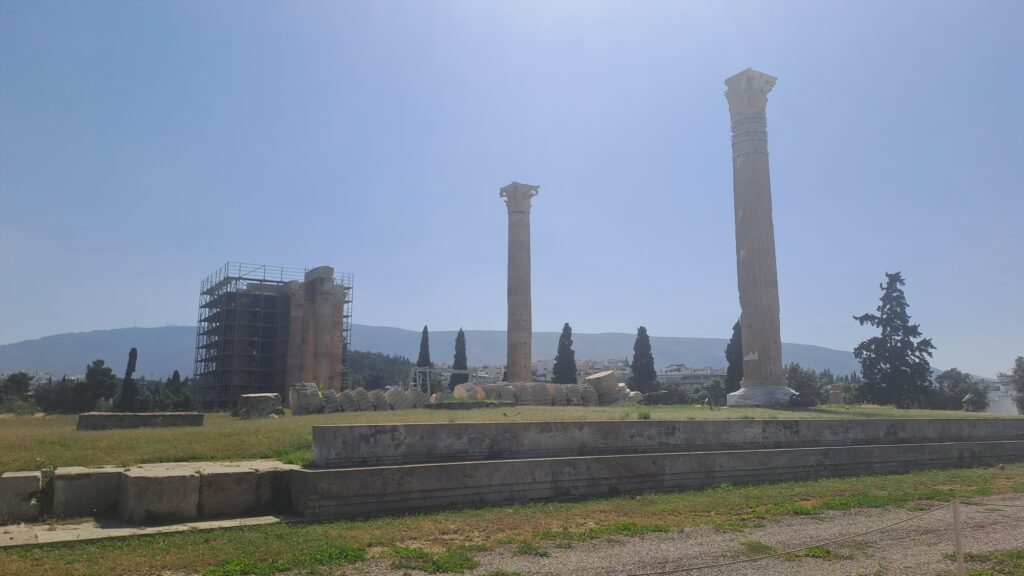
(17, 386)
(460, 362)
(373, 370)
(803, 381)
(423, 361)
(176, 393)
(16, 394)
(644, 377)
(99, 382)
(826, 378)
(956, 390)
(734, 356)
(564, 371)
(126, 401)
(1017, 378)
(894, 365)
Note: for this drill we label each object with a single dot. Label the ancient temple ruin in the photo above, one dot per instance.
(262, 328)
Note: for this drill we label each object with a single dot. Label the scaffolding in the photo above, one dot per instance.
(242, 334)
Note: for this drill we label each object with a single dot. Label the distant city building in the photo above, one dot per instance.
(262, 328)
(1000, 395)
(683, 375)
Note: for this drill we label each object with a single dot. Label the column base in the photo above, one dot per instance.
(767, 396)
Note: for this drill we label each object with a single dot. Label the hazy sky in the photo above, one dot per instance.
(143, 144)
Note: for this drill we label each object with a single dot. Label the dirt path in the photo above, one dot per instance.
(913, 548)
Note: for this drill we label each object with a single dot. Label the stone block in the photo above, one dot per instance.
(331, 403)
(85, 492)
(273, 488)
(558, 395)
(19, 492)
(118, 420)
(347, 401)
(305, 398)
(362, 400)
(227, 491)
(464, 392)
(156, 494)
(836, 397)
(259, 405)
(380, 403)
(416, 398)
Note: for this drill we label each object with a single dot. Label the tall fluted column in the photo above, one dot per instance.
(519, 366)
(764, 383)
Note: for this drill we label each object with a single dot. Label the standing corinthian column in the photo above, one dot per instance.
(764, 383)
(519, 367)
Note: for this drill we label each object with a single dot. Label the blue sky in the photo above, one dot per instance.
(143, 144)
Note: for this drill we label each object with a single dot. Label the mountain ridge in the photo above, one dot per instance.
(167, 348)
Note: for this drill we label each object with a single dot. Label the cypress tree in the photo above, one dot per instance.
(564, 371)
(423, 361)
(894, 365)
(734, 356)
(460, 362)
(644, 378)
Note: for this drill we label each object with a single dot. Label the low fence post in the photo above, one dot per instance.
(960, 569)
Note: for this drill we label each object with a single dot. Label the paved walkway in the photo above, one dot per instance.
(915, 548)
(21, 534)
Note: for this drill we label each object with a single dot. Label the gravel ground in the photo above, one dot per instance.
(913, 548)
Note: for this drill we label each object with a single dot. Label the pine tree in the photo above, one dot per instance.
(127, 400)
(460, 362)
(564, 371)
(423, 361)
(644, 378)
(734, 356)
(894, 365)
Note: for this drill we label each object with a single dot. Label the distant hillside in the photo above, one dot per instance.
(168, 348)
(161, 351)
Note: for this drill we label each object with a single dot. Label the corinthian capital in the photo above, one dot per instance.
(517, 196)
(747, 92)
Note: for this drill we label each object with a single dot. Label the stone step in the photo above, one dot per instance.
(341, 446)
(158, 493)
(361, 492)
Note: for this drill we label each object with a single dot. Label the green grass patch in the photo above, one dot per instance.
(755, 548)
(322, 556)
(453, 561)
(999, 563)
(627, 529)
(531, 549)
(822, 553)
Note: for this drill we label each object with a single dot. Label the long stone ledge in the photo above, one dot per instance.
(118, 420)
(362, 492)
(344, 446)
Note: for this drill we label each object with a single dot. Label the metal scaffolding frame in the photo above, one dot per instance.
(242, 333)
